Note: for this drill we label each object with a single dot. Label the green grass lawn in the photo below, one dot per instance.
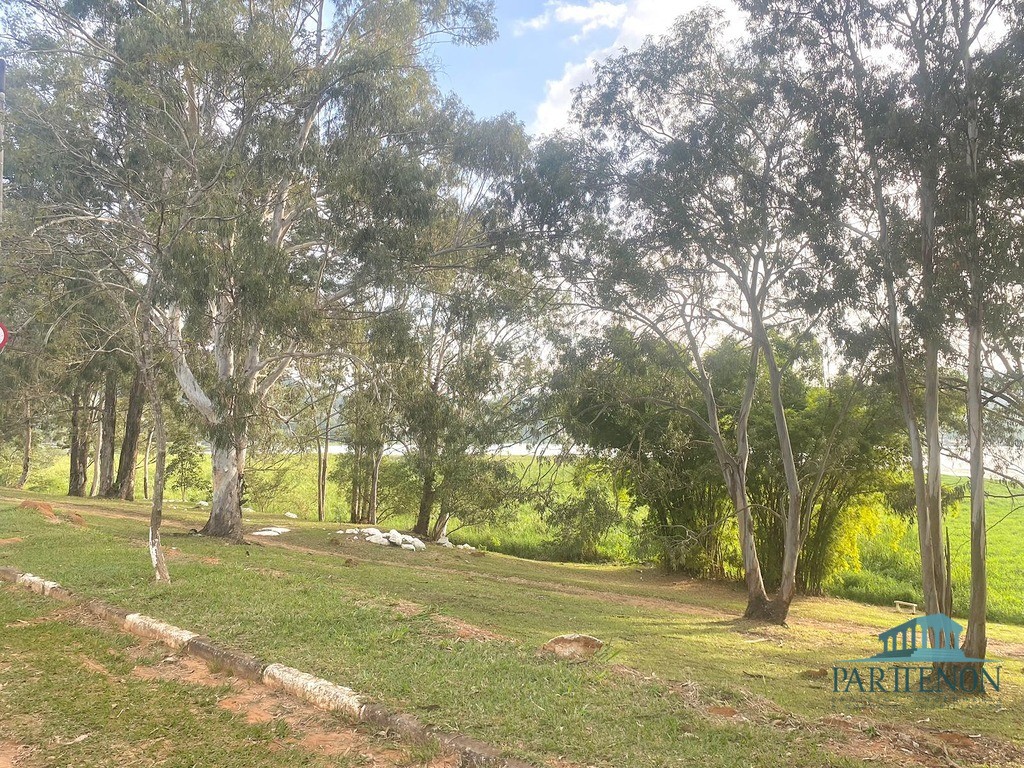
(675, 647)
(70, 695)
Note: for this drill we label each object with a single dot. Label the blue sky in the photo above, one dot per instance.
(544, 49)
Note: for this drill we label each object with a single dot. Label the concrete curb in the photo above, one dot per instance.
(322, 694)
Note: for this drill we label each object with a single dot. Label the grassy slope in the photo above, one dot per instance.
(321, 613)
(890, 564)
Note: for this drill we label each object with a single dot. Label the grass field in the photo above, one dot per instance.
(76, 694)
(889, 568)
(891, 563)
(681, 681)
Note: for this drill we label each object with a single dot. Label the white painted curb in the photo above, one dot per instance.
(152, 629)
(321, 693)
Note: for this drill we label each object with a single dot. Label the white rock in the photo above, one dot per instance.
(418, 545)
(443, 541)
(248, 510)
(395, 537)
(407, 539)
(277, 529)
(292, 515)
(203, 504)
(448, 545)
(378, 539)
(410, 547)
(466, 546)
(265, 533)
(369, 532)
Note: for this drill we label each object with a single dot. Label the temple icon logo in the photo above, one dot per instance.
(935, 637)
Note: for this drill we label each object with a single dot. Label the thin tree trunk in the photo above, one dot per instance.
(321, 480)
(79, 439)
(374, 479)
(791, 546)
(734, 471)
(939, 600)
(976, 639)
(109, 427)
(900, 370)
(942, 590)
(354, 511)
(145, 467)
(156, 551)
(734, 468)
(94, 487)
(26, 450)
(324, 464)
(124, 485)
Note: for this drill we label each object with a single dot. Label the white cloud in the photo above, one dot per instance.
(594, 15)
(639, 19)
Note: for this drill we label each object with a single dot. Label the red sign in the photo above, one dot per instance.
(4, 336)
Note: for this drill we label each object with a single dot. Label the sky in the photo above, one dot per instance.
(546, 48)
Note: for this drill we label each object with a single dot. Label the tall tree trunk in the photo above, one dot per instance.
(94, 487)
(899, 363)
(226, 511)
(426, 505)
(943, 596)
(26, 448)
(757, 596)
(735, 473)
(371, 515)
(354, 510)
(109, 421)
(124, 485)
(321, 480)
(145, 464)
(976, 639)
(792, 542)
(734, 469)
(156, 511)
(939, 599)
(79, 439)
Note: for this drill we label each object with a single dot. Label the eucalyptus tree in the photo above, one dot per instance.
(985, 202)
(691, 157)
(465, 373)
(257, 158)
(918, 135)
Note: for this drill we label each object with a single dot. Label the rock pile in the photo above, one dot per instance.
(392, 539)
